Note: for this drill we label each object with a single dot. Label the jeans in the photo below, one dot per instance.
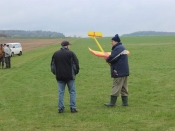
(72, 92)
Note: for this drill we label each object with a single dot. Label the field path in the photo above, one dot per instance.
(30, 44)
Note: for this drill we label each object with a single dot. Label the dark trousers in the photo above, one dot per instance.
(7, 61)
(2, 61)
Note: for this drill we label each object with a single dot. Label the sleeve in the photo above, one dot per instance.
(114, 56)
(76, 62)
(52, 65)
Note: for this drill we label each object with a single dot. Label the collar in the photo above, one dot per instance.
(64, 47)
(119, 43)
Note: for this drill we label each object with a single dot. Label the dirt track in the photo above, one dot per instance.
(30, 44)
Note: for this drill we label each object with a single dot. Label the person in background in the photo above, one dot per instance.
(1, 56)
(7, 55)
(119, 72)
(9, 58)
(66, 68)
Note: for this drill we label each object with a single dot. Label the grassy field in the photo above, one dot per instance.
(29, 96)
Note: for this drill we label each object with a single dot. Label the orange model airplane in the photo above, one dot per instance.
(100, 53)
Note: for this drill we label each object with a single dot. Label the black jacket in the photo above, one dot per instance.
(119, 61)
(66, 63)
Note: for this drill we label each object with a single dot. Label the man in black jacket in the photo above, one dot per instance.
(66, 68)
(119, 71)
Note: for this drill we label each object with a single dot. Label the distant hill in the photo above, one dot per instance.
(22, 33)
(149, 33)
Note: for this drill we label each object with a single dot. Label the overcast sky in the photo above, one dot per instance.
(77, 17)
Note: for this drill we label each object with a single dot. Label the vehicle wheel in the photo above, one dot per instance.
(12, 54)
(20, 53)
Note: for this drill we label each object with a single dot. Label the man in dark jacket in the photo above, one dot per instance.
(66, 68)
(119, 71)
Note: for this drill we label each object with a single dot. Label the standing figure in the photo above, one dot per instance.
(7, 55)
(119, 72)
(9, 58)
(1, 56)
(66, 68)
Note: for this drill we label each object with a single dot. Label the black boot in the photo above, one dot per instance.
(124, 100)
(112, 101)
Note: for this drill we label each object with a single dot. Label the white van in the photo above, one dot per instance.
(16, 48)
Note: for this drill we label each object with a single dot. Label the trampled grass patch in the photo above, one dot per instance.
(29, 94)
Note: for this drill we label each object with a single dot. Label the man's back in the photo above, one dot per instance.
(64, 59)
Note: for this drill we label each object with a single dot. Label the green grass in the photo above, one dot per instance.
(28, 91)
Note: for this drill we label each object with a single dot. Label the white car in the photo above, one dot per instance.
(16, 48)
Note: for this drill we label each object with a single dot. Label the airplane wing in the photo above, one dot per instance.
(99, 53)
(103, 54)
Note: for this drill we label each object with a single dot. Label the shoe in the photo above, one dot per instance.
(60, 111)
(73, 110)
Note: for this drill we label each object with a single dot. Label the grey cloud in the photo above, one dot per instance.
(76, 17)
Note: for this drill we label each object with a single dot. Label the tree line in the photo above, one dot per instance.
(149, 33)
(23, 33)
